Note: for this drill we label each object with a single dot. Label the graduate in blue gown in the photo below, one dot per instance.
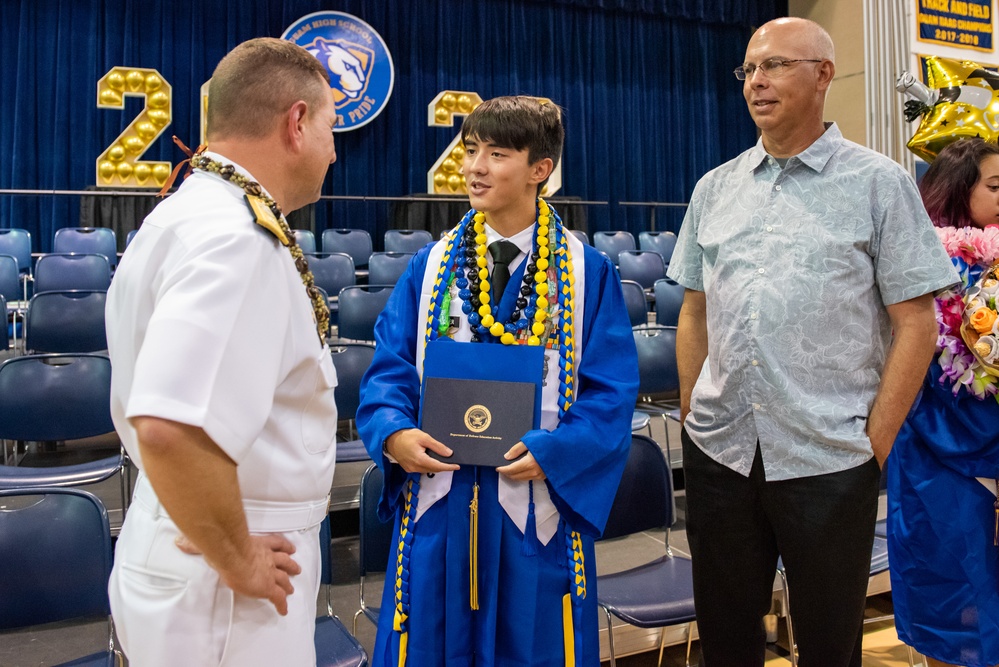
(942, 471)
(496, 566)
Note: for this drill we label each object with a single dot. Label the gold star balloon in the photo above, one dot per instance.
(959, 100)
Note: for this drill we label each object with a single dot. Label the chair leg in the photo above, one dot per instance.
(690, 641)
(610, 638)
(662, 645)
(787, 616)
(354, 627)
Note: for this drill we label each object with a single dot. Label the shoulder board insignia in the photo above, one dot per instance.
(264, 216)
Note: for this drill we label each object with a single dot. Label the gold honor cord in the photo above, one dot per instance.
(473, 548)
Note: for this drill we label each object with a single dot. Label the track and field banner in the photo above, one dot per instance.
(964, 24)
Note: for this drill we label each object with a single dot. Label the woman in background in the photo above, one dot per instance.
(943, 470)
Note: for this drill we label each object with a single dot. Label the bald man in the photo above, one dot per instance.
(800, 258)
(222, 384)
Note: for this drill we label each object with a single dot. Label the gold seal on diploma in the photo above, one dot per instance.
(478, 418)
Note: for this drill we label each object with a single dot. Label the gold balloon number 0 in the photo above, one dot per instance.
(119, 165)
(445, 177)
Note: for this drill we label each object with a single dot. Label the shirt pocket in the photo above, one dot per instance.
(320, 416)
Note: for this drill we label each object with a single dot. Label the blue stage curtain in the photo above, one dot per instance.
(647, 87)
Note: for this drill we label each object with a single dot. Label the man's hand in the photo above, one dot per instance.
(265, 573)
(409, 449)
(523, 469)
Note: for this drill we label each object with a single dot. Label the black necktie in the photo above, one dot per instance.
(503, 253)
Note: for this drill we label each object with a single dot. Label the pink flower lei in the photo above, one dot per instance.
(972, 250)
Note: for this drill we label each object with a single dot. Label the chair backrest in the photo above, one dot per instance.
(10, 278)
(657, 371)
(351, 361)
(669, 299)
(65, 271)
(581, 235)
(375, 536)
(354, 242)
(360, 306)
(661, 242)
(55, 547)
(66, 321)
(331, 271)
(55, 397)
(5, 333)
(385, 268)
(645, 267)
(644, 499)
(131, 235)
(88, 240)
(407, 240)
(612, 243)
(17, 242)
(634, 299)
(306, 240)
(325, 559)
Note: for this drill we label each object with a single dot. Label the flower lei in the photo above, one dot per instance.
(973, 251)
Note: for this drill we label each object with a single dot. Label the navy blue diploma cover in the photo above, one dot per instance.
(480, 399)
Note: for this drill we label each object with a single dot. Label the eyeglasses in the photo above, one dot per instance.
(772, 67)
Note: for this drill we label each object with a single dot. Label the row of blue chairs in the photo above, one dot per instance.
(667, 299)
(357, 242)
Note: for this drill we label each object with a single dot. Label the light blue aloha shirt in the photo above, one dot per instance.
(798, 265)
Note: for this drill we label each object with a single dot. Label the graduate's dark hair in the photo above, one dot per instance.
(946, 186)
(519, 122)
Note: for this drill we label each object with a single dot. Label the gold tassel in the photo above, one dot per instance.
(568, 636)
(473, 547)
(403, 641)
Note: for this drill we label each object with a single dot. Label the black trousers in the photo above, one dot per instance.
(823, 529)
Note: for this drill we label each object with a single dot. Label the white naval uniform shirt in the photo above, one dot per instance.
(209, 325)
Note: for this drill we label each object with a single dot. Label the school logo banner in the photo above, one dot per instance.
(355, 56)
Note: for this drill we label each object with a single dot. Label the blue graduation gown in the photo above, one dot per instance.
(519, 621)
(945, 583)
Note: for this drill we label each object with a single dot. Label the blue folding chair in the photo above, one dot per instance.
(406, 240)
(66, 321)
(645, 267)
(332, 272)
(87, 240)
(306, 240)
(385, 268)
(659, 593)
(612, 243)
(360, 306)
(658, 377)
(354, 242)
(55, 547)
(351, 361)
(54, 398)
(131, 235)
(67, 271)
(634, 299)
(669, 299)
(660, 242)
(581, 235)
(335, 647)
(17, 243)
(375, 539)
(10, 279)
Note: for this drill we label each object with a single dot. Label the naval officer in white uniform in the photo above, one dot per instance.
(222, 388)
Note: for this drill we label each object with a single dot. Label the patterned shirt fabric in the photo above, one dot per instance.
(797, 265)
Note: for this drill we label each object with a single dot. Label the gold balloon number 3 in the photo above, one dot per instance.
(445, 177)
(119, 165)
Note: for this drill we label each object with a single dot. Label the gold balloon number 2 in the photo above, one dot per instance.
(445, 177)
(119, 165)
